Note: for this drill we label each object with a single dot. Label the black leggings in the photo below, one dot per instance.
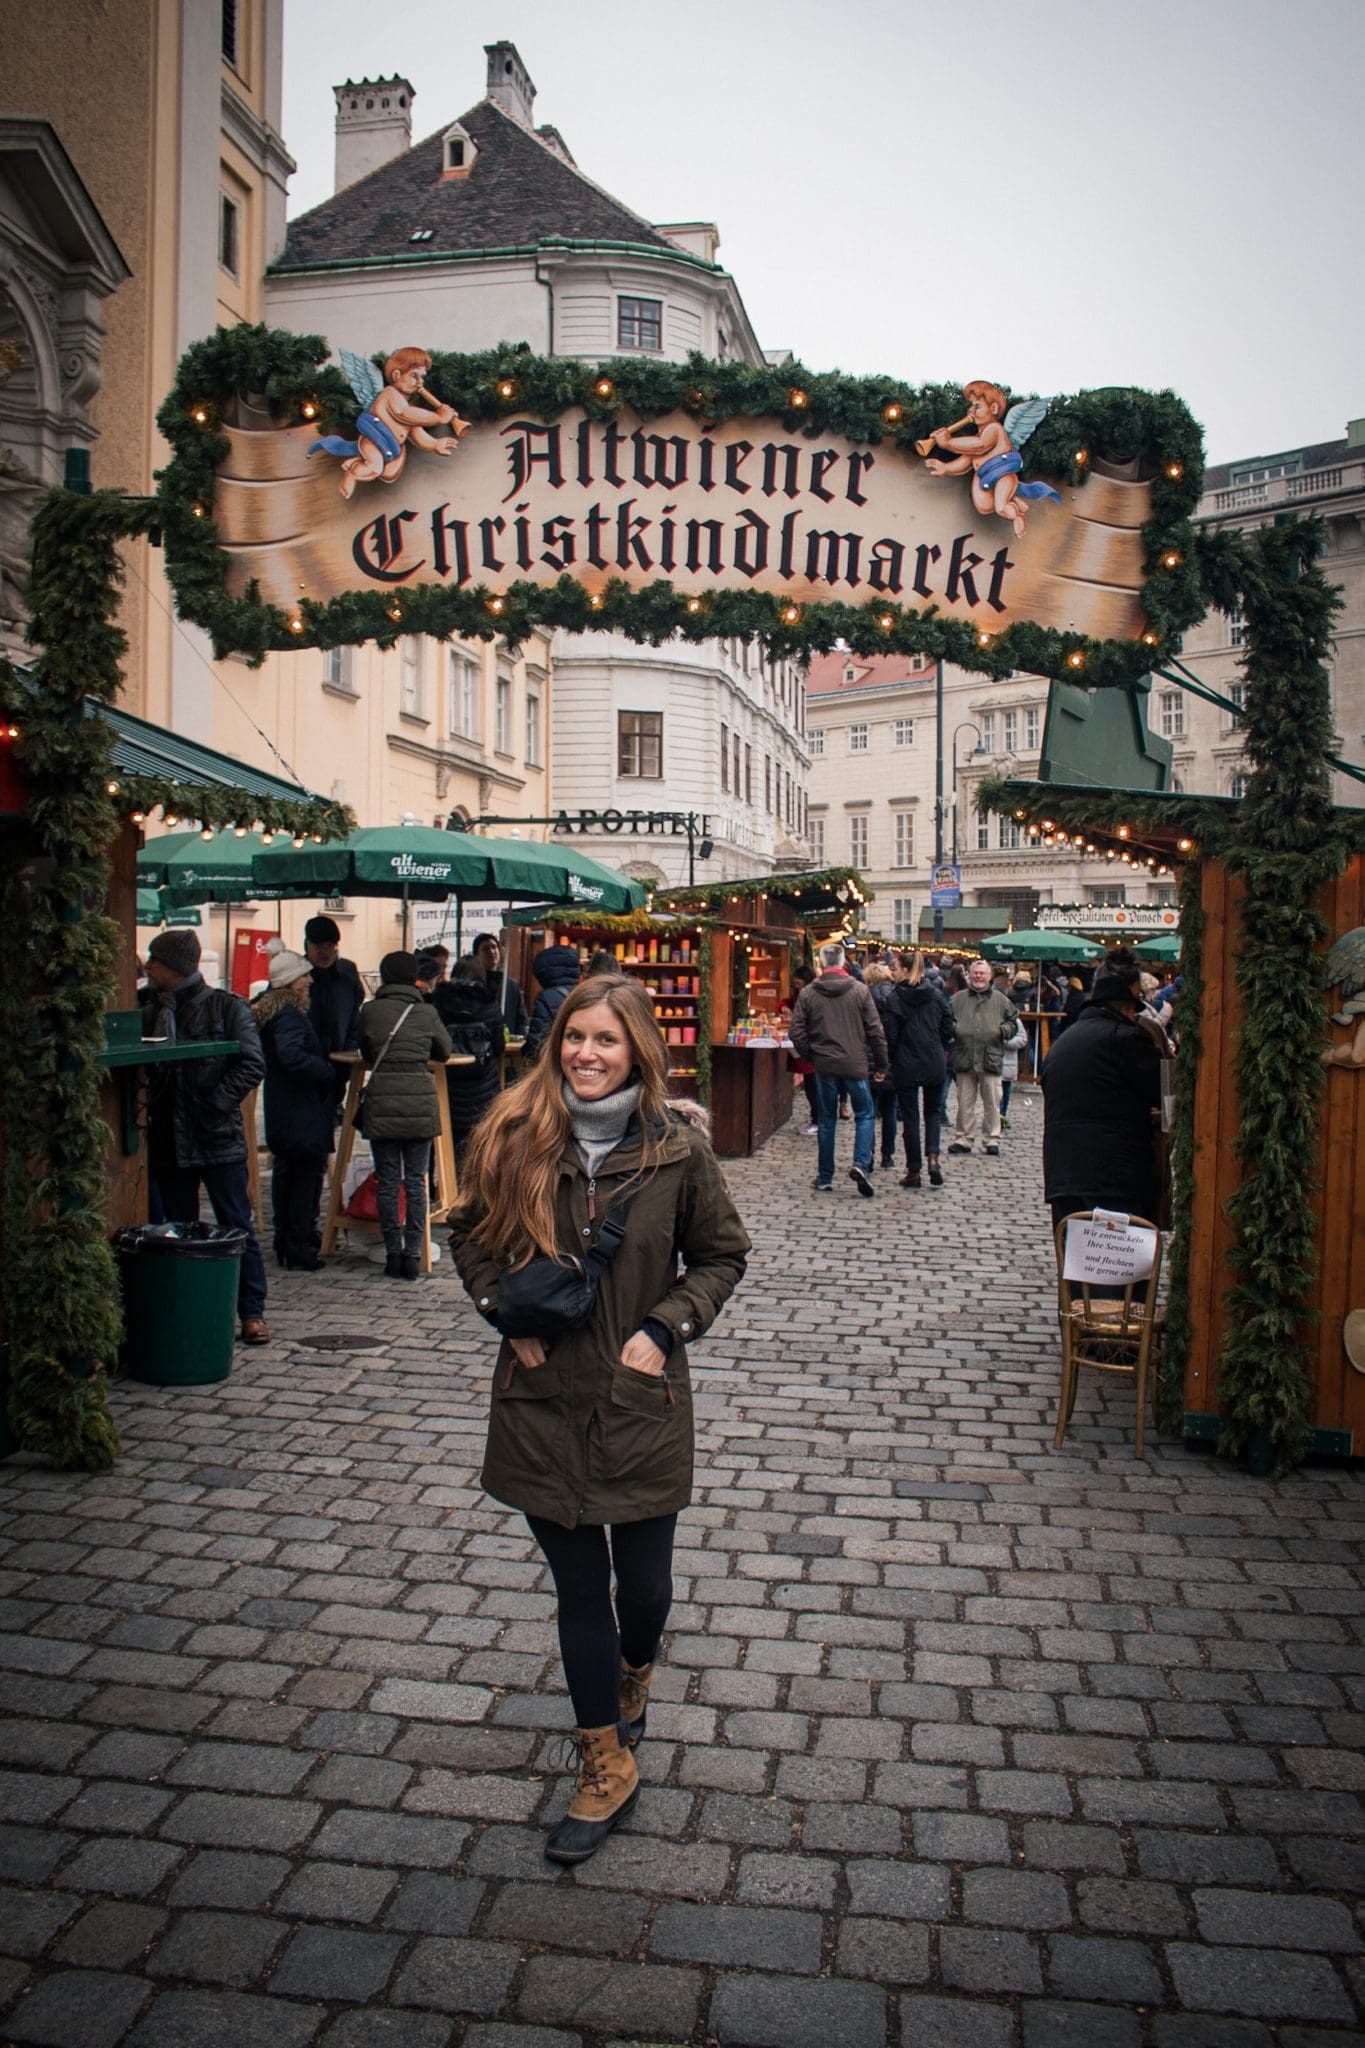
(589, 1641)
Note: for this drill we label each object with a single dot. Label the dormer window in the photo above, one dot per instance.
(457, 152)
(420, 235)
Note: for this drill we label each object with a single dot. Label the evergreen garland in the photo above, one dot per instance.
(288, 375)
(1286, 842)
(58, 1284)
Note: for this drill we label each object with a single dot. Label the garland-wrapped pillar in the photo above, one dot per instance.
(1286, 846)
(57, 1278)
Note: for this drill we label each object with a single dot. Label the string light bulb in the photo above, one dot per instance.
(1076, 660)
(139, 817)
(1185, 845)
(790, 614)
(267, 839)
(603, 387)
(694, 604)
(983, 639)
(170, 818)
(596, 601)
(1149, 639)
(299, 840)
(198, 511)
(1175, 471)
(309, 409)
(111, 789)
(496, 605)
(206, 833)
(395, 611)
(296, 624)
(886, 622)
(200, 415)
(507, 389)
(799, 400)
(239, 831)
(1081, 457)
(12, 732)
(1170, 560)
(1125, 831)
(891, 413)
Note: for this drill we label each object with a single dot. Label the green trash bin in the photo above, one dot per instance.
(179, 1301)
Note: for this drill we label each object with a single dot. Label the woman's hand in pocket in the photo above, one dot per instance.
(642, 1354)
(530, 1351)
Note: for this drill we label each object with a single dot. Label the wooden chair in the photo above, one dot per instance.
(1117, 1333)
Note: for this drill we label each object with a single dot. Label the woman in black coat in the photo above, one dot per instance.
(300, 1091)
(1101, 1091)
(472, 1014)
(919, 1030)
(881, 985)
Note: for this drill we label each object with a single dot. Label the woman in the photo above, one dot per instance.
(399, 1034)
(919, 1032)
(881, 983)
(299, 1094)
(802, 977)
(590, 1434)
(473, 1017)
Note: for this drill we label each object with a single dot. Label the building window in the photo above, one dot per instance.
(502, 716)
(983, 831)
(1237, 627)
(904, 839)
(857, 840)
(338, 670)
(748, 773)
(988, 731)
(533, 729)
(1238, 694)
(1172, 707)
(903, 920)
(639, 323)
(903, 732)
(815, 833)
(725, 758)
(464, 695)
(767, 782)
(230, 30)
(857, 739)
(1011, 834)
(1106, 895)
(640, 744)
(229, 235)
(815, 739)
(1011, 725)
(1237, 785)
(1166, 894)
(410, 696)
(1031, 727)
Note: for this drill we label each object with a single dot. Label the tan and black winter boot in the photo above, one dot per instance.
(635, 1697)
(608, 1787)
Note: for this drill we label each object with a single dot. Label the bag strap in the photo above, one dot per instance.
(610, 1237)
(389, 1040)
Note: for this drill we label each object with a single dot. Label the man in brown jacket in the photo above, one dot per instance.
(835, 1026)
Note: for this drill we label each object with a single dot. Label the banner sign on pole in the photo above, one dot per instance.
(945, 892)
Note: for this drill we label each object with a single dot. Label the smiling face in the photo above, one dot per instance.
(595, 1055)
(979, 976)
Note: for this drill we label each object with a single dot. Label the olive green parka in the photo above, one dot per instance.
(400, 1100)
(583, 1438)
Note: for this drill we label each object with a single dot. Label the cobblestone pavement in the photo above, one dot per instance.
(962, 1743)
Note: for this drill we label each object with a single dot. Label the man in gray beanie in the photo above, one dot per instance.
(195, 1132)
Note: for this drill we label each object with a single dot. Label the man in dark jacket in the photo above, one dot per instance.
(556, 969)
(468, 1008)
(195, 1131)
(834, 1025)
(336, 995)
(487, 950)
(1101, 1096)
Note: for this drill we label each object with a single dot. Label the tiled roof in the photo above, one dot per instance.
(870, 672)
(519, 191)
(1319, 455)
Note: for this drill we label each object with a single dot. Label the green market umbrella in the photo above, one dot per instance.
(151, 909)
(426, 865)
(191, 869)
(1165, 946)
(1066, 948)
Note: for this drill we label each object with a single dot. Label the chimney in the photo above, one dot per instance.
(509, 83)
(374, 125)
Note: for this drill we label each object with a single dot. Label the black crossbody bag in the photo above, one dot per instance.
(551, 1298)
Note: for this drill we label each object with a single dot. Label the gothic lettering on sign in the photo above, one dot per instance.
(709, 507)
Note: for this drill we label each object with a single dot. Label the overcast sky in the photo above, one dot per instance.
(1053, 194)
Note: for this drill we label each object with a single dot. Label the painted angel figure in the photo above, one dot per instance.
(991, 456)
(388, 420)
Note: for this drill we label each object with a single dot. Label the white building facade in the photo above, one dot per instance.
(487, 232)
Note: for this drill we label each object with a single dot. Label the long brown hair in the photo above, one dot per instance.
(511, 1169)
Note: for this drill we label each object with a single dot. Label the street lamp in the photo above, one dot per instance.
(978, 752)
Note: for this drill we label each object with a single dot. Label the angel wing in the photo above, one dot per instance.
(1345, 964)
(362, 376)
(1023, 419)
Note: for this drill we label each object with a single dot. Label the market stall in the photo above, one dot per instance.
(718, 964)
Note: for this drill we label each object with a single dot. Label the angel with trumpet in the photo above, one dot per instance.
(991, 455)
(388, 419)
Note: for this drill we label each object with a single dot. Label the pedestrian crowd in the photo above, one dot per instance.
(594, 1232)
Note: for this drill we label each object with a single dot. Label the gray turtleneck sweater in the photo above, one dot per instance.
(599, 1127)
